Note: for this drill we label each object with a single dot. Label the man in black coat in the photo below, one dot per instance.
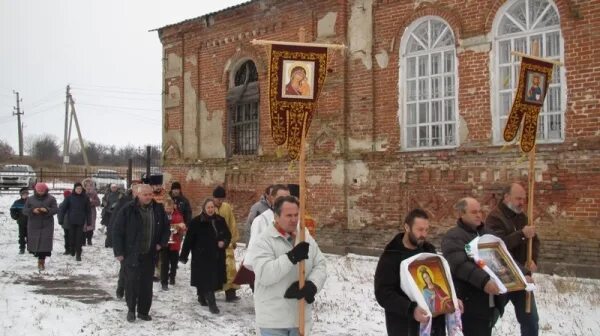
(402, 316)
(182, 203)
(509, 222)
(16, 213)
(140, 230)
(76, 208)
(473, 285)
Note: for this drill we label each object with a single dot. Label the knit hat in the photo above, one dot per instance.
(155, 180)
(66, 193)
(294, 190)
(176, 185)
(41, 187)
(219, 192)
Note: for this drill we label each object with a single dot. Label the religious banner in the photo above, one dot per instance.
(534, 77)
(490, 253)
(426, 280)
(296, 76)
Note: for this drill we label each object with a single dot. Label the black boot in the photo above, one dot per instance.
(22, 250)
(89, 241)
(130, 316)
(230, 295)
(120, 293)
(202, 300)
(78, 256)
(212, 304)
(171, 280)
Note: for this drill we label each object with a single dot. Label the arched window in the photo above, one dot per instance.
(428, 85)
(243, 102)
(519, 25)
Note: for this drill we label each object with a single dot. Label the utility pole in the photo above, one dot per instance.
(67, 135)
(85, 158)
(19, 125)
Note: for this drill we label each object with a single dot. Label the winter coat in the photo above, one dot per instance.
(182, 203)
(469, 279)
(40, 227)
(127, 231)
(94, 202)
(259, 225)
(275, 273)
(398, 307)
(177, 224)
(16, 212)
(75, 209)
(508, 225)
(208, 260)
(257, 208)
(128, 197)
(109, 201)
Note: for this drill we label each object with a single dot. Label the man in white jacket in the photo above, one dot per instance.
(275, 261)
(263, 221)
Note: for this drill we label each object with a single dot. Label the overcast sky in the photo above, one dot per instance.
(103, 49)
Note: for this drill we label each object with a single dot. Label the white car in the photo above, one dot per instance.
(17, 176)
(105, 177)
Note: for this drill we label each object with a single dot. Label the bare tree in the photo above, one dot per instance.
(5, 149)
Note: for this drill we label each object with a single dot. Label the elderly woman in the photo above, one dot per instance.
(40, 210)
(92, 194)
(207, 238)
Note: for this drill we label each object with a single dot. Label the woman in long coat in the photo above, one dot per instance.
(40, 210)
(75, 209)
(207, 238)
(92, 194)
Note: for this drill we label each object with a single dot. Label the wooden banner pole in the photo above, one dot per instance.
(302, 187)
(530, 199)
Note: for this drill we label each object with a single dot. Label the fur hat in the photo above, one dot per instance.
(219, 192)
(176, 185)
(155, 179)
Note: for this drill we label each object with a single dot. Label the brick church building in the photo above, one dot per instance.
(411, 115)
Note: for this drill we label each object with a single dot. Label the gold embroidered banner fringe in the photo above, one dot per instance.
(534, 78)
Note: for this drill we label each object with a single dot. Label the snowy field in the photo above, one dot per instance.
(72, 298)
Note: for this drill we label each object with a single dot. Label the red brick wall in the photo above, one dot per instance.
(381, 184)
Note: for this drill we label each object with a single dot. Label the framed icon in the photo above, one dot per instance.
(502, 265)
(535, 87)
(298, 79)
(430, 277)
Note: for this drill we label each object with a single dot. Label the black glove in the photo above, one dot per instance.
(183, 259)
(309, 291)
(293, 292)
(299, 252)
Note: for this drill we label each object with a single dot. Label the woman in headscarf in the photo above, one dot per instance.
(207, 238)
(40, 210)
(90, 190)
(76, 211)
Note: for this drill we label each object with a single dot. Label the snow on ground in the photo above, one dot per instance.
(72, 298)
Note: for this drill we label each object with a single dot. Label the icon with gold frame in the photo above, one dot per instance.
(431, 279)
(502, 265)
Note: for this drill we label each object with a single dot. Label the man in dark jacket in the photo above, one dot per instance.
(181, 202)
(16, 213)
(473, 285)
(402, 316)
(108, 204)
(140, 230)
(263, 204)
(76, 209)
(128, 197)
(509, 222)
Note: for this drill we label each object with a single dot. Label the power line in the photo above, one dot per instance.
(120, 107)
(120, 91)
(117, 88)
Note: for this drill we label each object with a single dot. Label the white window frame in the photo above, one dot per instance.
(495, 101)
(402, 88)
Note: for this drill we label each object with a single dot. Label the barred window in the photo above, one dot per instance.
(243, 104)
(518, 25)
(428, 85)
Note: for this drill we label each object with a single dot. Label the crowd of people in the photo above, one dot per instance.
(150, 231)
